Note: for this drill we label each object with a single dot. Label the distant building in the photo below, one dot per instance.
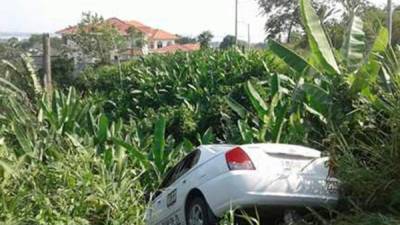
(155, 40)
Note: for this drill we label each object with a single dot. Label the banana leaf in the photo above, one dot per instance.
(322, 52)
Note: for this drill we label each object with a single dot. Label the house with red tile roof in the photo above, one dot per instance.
(155, 40)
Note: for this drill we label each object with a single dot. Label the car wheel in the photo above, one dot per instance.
(198, 213)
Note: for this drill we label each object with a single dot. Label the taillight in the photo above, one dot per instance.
(237, 159)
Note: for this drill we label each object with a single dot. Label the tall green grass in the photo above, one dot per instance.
(89, 154)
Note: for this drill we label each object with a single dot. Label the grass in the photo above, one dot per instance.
(89, 152)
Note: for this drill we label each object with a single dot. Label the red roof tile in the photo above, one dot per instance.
(192, 47)
(163, 35)
(118, 24)
(141, 27)
(68, 30)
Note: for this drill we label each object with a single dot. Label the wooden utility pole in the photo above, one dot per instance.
(390, 20)
(236, 21)
(47, 63)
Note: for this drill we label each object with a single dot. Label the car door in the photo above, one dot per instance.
(169, 198)
(179, 189)
(168, 207)
(157, 212)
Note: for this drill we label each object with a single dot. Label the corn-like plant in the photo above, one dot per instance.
(89, 153)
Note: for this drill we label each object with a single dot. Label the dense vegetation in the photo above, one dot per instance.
(87, 154)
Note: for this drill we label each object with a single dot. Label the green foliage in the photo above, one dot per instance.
(284, 20)
(228, 42)
(321, 50)
(158, 146)
(72, 189)
(291, 58)
(21, 73)
(354, 43)
(62, 72)
(97, 38)
(284, 16)
(161, 84)
(186, 40)
(35, 44)
(205, 38)
(89, 153)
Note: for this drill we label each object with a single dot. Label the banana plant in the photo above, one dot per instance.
(269, 118)
(157, 156)
(207, 138)
(26, 72)
(63, 112)
(359, 67)
(361, 71)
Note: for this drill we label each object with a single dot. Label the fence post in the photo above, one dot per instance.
(47, 63)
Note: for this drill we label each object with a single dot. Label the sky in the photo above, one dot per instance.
(184, 17)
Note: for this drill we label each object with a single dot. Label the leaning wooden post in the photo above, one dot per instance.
(47, 63)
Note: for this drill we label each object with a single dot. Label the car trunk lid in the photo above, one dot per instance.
(285, 159)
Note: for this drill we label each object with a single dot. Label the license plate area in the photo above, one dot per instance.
(293, 165)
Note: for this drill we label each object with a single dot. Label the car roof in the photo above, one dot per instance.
(209, 151)
(218, 147)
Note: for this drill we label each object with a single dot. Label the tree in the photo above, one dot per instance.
(350, 5)
(35, 43)
(186, 40)
(136, 38)
(284, 15)
(96, 38)
(374, 17)
(227, 42)
(396, 27)
(62, 70)
(205, 38)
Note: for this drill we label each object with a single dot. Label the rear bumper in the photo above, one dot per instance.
(277, 199)
(242, 189)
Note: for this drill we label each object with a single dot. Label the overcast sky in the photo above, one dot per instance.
(186, 17)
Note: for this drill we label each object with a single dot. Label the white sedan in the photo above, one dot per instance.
(216, 178)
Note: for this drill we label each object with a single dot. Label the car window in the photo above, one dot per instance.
(168, 178)
(186, 164)
(181, 168)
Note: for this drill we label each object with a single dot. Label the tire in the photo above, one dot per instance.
(198, 213)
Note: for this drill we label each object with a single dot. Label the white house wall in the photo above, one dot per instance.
(163, 42)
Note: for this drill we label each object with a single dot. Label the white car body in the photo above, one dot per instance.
(283, 175)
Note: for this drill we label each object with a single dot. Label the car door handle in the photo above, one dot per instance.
(184, 181)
